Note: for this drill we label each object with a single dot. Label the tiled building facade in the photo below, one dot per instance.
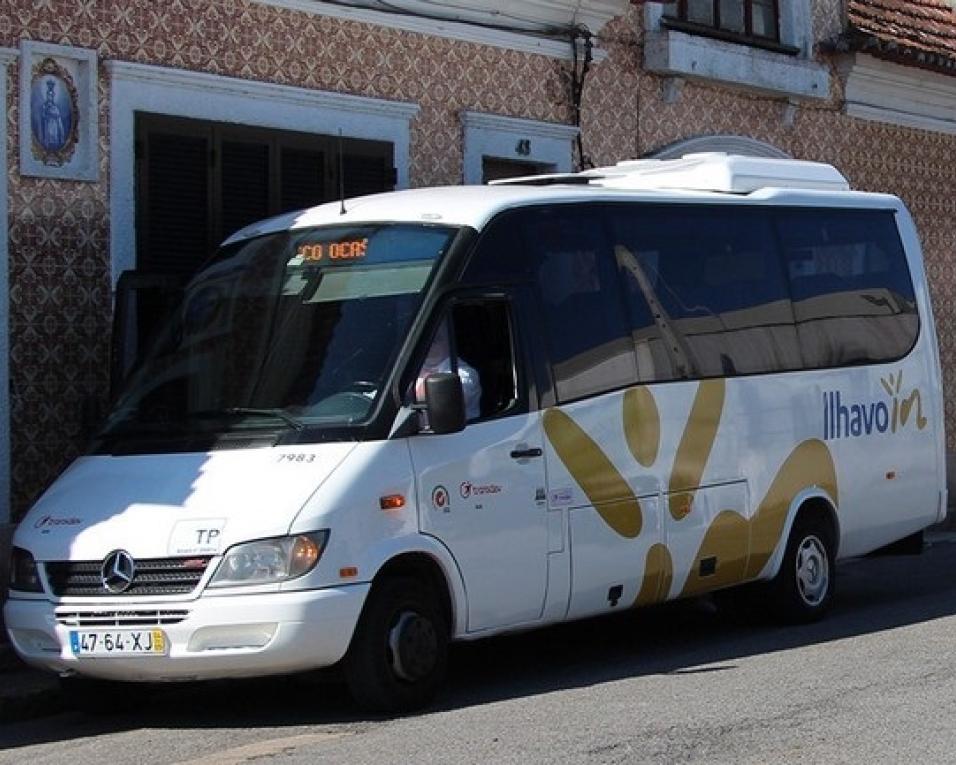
(438, 92)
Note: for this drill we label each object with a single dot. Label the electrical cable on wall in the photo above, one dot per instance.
(580, 66)
(580, 37)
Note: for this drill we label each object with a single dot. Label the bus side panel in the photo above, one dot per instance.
(935, 402)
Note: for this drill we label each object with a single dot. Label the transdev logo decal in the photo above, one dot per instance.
(845, 419)
(468, 489)
(52, 522)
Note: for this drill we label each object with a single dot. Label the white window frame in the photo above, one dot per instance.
(512, 138)
(7, 57)
(198, 95)
(679, 54)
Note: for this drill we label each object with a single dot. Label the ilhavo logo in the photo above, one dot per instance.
(851, 420)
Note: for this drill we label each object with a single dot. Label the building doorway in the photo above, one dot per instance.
(198, 182)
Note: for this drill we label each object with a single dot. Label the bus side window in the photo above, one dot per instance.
(484, 337)
(502, 255)
(852, 294)
(590, 348)
(718, 296)
(477, 343)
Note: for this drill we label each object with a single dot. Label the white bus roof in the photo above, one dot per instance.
(695, 177)
(726, 173)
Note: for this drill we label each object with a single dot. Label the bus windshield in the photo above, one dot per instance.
(293, 329)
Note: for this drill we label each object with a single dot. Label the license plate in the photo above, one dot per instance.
(119, 643)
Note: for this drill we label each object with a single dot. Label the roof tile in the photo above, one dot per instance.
(920, 32)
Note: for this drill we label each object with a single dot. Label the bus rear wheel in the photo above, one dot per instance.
(397, 658)
(803, 589)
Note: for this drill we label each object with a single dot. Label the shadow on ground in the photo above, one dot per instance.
(681, 638)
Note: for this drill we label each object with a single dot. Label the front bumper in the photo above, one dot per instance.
(221, 636)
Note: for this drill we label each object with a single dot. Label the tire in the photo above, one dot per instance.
(802, 590)
(98, 697)
(397, 658)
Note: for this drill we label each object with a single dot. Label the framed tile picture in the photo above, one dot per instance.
(58, 115)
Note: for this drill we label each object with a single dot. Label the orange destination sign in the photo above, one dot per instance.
(349, 249)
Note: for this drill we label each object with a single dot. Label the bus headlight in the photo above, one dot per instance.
(24, 576)
(267, 561)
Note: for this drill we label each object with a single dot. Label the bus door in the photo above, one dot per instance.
(482, 491)
(612, 505)
(604, 482)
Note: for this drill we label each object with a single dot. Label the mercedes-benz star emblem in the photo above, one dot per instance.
(118, 571)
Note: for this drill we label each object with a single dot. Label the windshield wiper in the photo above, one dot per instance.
(280, 414)
(288, 419)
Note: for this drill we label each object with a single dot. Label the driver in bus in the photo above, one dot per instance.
(439, 360)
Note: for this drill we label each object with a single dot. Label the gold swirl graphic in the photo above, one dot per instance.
(810, 464)
(601, 482)
(739, 548)
(642, 425)
(907, 405)
(696, 444)
(727, 541)
(658, 575)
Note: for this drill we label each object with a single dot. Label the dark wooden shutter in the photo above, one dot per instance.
(174, 219)
(498, 168)
(302, 174)
(244, 177)
(366, 174)
(199, 182)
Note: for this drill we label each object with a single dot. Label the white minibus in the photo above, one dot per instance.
(374, 427)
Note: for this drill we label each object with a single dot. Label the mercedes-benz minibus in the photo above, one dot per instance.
(443, 414)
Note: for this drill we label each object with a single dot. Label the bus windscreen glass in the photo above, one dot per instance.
(298, 328)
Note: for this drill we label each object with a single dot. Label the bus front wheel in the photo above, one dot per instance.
(400, 648)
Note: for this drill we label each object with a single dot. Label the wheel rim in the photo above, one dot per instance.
(813, 571)
(413, 647)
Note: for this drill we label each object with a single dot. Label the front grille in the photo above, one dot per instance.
(120, 618)
(156, 576)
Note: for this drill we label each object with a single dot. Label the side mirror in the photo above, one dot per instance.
(445, 403)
